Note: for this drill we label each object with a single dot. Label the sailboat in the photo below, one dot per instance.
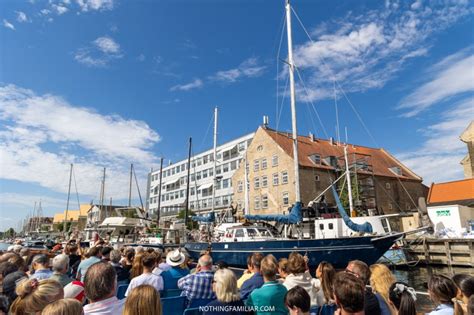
(234, 249)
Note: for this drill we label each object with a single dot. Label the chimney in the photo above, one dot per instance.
(265, 121)
(331, 140)
(311, 137)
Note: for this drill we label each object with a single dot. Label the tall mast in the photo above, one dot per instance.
(348, 178)
(159, 194)
(130, 187)
(186, 206)
(215, 159)
(291, 68)
(67, 204)
(102, 197)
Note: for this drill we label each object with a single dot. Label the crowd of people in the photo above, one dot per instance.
(74, 282)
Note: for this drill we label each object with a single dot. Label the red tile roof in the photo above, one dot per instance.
(380, 160)
(451, 191)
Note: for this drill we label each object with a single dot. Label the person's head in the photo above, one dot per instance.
(100, 281)
(205, 261)
(381, 278)
(34, 295)
(441, 289)
(221, 264)
(298, 301)
(349, 292)
(465, 286)
(115, 256)
(359, 269)
(326, 273)
(283, 267)
(95, 251)
(129, 254)
(24, 252)
(149, 261)
(296, 263)
(61, 263)
(139, 250)
(137, 265)
(255, 261)
(9, 284)
(7, 268)
(402, 298)
(71, 249)
(143, 300)
(40, 262)
(106, 253)
(249, 262)
(225, 285)
(75, 290)
(269, 267)
(64, 307)
(175, 258)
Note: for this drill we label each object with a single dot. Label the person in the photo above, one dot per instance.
(470, 305)
(298, 275)
(401, 299)
(147, 277)
(171, 276)
(127, 260)
(9, 285)
(94, 257)
(137, 266)
(60, 268)
(40, 266)
(75, 290)
(164, 266)
(106, 253)
(381, 278)
(442, 290)
(64, 307)
(270, 297)
(282, 269)
(465, 289)
(123, 274)
(199, 285)
(143, 300)
(361, 270)
(74, 252)
(34, 295)
(349, 294)
(254, 282)
(4, 305)
(298, 301)
(100, 284)
(248, 273)
(227, 293)
(325, 273)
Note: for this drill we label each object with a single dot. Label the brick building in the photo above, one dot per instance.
(382, 182)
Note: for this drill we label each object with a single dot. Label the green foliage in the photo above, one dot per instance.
(9, 233)
(344, 194)
(191, 224)
(61, 226)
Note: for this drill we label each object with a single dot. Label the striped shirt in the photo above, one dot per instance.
(198, 285)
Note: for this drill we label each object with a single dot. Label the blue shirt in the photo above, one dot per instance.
(384, 310)
(255, 282)
(443, 309)
(198, 285)
(268, 299)
(171, 277)
(85, 264)
(42, 274)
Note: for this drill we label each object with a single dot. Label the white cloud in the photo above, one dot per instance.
(95, 5)
(8, 24)
(21, 17)
(197, 83)
(364, 52)
(452, 76)
(141, 57)
(107, 45)
(100, 54)
(248, 68)
(59, 9)
(42, 134)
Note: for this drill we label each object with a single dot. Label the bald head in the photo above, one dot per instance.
(205, 261)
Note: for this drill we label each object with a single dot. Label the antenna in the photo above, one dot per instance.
(265, 121)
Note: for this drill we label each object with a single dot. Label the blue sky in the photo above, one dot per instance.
(104, 83)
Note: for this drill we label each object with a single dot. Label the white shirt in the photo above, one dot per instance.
(110, 306)
(152, 279)
(304, 280)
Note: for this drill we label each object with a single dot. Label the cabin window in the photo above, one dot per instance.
(265, 233)
(275, 179)
(331, 226)
(256, 165)
(252, 233)
(321, 226)
(256, 182)
(284, 177)
(239, 233)
(274, 160)
(286, 200)
(264, 181)
(264, 164)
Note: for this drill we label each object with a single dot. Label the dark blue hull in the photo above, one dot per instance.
(337, 251)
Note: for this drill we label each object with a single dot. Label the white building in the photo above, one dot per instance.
(173, 188)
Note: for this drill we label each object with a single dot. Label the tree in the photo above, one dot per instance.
(9, 233)
(61, 226)
(344, 194)
(191, 224)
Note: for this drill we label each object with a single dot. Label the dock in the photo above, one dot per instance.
(448, 252)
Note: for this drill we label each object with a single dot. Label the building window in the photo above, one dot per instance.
(225, 168)
(241, 146)
(233, 165)
(256, 165)
(264, 164)
(225, 183)
(198, 175)
(264, 181)
(284, 177)
(257, 203)
(218, 170)
(256, 182)
(240, 186)
(286, 199)
(204, 174)
(264, 202)
(388, 186)
(316, 178)
(315, 158)
(260, 148)
(275, 160)
(390, 206)
(275, 179)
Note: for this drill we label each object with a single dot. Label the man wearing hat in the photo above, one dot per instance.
(170, 277)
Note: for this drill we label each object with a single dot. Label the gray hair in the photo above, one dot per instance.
(60, 263)
(115, 256)
(205, 261)
(139, 249)
(41, 259)
(226, 286)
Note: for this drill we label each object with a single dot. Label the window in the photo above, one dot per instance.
(316, 178)
(264, 164)
(198, 175)
(218, 170)
(321, 226)
(256, 165)
(264, 181)
(205, 159)
(286, 200)
(251, 233)
(225, 200)
(264, 202)
(239, 233)
(199, 162)
(315, 158)
(211, 172)
(260, 148)
(233, 165)
(331, 226)
(225, 183)
(284, 177)
(257, 203)
(256, 182)
(240, 186)
(390, 206)
(183, 167)
(275, 160)
(204, 174)
(275, 179)
(225, 168)
(388, 186)
(241, 146)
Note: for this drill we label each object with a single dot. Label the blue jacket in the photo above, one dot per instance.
(255, 282)
(171, 277)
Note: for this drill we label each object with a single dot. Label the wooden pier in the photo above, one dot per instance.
(448, 252)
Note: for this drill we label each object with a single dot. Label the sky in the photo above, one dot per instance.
(107, 83)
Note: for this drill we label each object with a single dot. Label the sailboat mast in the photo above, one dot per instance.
(348, 178)
(159, 194)
(291, 68)
(130, 187)
(186, 206)
(67, 204)
(215, 160)
(102, 197)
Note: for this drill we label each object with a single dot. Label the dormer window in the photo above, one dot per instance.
(396, 170)
(315, 158)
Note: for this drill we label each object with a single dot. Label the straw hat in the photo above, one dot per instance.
(175, 258)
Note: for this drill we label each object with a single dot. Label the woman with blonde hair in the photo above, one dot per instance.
(381, 279)
(143, 300)
(137, 266)
(227, 293)
(34, 295)
(64, 307)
